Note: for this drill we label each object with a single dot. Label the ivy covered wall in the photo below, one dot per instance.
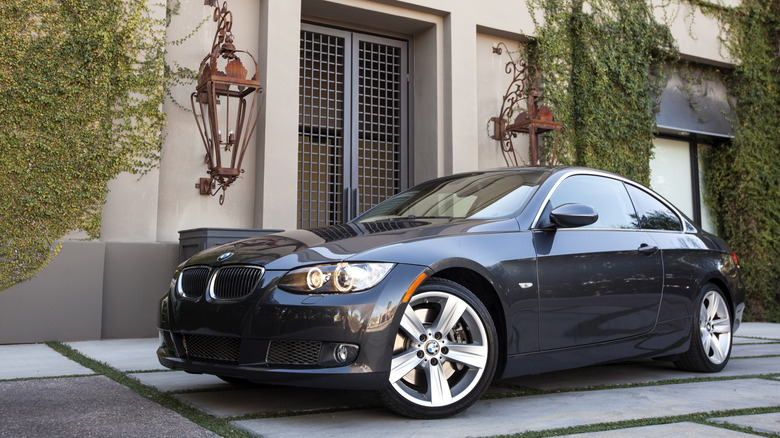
(603, 63)
(743, 178)
(81, 88)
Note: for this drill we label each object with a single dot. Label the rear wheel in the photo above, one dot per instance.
(444, 355)
(711, 336)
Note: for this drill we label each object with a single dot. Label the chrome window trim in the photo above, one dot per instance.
(537, 217)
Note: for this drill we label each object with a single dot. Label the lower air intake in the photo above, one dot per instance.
(293, 352)
(212, 348)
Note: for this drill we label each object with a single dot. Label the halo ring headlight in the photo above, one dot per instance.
(315, 278)
(335, 278)
(342, 278)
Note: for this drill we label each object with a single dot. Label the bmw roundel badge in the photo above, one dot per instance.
(225, 256)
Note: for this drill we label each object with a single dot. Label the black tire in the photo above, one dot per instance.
(441, 367)
(711, 334)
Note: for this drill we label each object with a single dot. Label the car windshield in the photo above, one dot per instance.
(472, 196)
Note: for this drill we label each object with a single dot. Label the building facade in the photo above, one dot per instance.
(363, 98)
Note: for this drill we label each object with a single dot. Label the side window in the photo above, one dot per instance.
(652, 214)
(605, 195)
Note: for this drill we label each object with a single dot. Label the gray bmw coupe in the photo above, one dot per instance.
(432, 294)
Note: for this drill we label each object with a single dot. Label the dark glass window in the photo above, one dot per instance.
(605, 195)
(652, 213)
(474, 196)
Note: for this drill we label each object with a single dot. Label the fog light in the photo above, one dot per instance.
(342, 353)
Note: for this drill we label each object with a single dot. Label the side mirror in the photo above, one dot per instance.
(573, 215)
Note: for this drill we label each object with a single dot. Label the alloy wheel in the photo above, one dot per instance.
(715, 327)
(440, 352)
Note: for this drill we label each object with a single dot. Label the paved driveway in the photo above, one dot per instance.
(44, 393)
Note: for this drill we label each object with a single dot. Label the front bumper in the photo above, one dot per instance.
(349, 377)
(273, 336)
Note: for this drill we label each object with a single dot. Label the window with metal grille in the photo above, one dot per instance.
(352, 124)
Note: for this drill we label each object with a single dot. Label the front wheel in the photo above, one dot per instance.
(444, 355)
(711, 336)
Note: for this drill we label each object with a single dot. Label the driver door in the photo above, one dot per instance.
(599, 282)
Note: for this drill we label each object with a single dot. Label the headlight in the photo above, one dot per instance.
(339, 278)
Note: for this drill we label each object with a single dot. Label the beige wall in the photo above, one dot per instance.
(697, 34)
(457, 86)
(180, 204)
(64, 302)
(448, 74)
(277, 160)
(91, 290)
(492, 85)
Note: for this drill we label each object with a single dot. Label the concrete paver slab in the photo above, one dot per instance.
(92, 406)
(677, 430)
(35, 360)
(765, 423)
(764, 330)
(754, 350)
(268, 399)
(639, 372)
(122, 354)
(171, 381)
(549, 411)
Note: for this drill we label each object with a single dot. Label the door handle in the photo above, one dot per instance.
(647, 249)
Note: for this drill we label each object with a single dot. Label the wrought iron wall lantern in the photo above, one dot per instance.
(225, 106)
(534, 120)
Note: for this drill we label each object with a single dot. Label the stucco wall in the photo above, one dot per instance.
(64, 302)
(136, 275)
(457, 83)
(91, 290)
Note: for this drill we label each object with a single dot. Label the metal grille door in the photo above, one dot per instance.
(352, 147)
(321, 129)
(380, 127)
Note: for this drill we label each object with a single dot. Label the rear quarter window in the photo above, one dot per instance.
(651, 213)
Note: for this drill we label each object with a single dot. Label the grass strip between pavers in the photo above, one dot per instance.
(20, 379)
(768, 340)
(699, 417)
(223, 427)
(755, 357)
(217, 425)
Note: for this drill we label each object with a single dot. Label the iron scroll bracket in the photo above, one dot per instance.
(534, 120)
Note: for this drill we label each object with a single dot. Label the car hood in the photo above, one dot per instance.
(287, 250)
